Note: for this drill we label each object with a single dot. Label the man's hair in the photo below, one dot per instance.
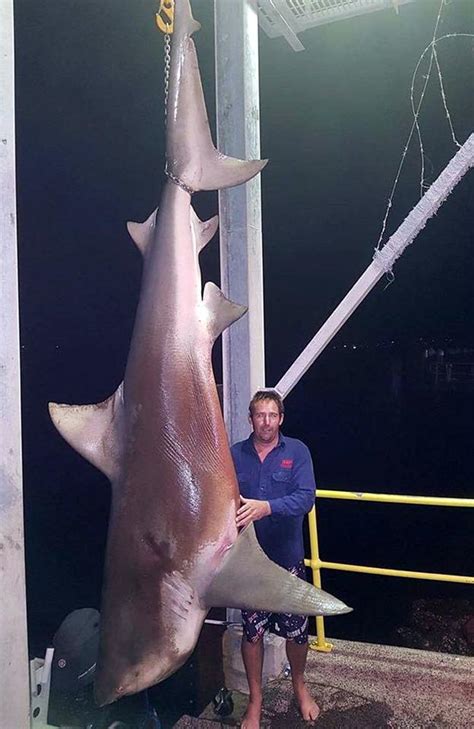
(267, 395)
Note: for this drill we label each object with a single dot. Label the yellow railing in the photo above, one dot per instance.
(317, 564)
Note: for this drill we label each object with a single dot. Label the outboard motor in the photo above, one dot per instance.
(64, 696)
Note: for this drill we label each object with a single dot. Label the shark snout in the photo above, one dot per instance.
(106, 691)
(109, 686)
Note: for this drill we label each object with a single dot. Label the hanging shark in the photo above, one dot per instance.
(173, 549)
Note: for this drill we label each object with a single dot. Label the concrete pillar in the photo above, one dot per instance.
(238, 135)
(14, 688)
(240, 225)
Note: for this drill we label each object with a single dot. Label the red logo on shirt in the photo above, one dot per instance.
(287, 463)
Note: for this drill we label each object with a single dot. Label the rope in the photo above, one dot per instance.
(385, 257)
(416, 108)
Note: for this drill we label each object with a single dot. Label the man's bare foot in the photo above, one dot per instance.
(307, 705)
(251, 718)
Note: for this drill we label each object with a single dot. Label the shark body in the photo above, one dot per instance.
(173, 549)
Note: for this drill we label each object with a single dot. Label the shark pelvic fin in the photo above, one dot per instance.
(141, 233)
(203, 231)
(222, 311)
(249, 580)
(93, 430)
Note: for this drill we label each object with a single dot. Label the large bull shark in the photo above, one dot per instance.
(173, 548)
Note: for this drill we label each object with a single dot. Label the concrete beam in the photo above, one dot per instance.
(238, 135)
(14, 681)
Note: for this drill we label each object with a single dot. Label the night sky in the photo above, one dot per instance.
(334, 119)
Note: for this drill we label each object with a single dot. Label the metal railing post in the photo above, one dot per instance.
(320, 644)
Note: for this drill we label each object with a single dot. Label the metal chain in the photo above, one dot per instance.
(169, 174)
(177, 181)
(167, 71)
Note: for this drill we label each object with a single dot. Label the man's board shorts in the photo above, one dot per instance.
(291, 627)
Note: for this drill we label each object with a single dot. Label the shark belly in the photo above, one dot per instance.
(173, 518)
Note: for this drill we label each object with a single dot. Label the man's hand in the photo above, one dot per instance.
(252, 510)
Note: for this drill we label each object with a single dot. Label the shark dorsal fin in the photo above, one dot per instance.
(93, 430)
(222, 312)
(142, 233)
(249, 580)
(203, 231)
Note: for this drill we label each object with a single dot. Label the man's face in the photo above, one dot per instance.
(265, 421)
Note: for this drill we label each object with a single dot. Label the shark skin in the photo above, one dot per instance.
(173, 550)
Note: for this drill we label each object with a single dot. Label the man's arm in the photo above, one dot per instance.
(298, 503)
(251, 510)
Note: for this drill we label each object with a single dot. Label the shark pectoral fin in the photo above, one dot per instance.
(222, 311)
(203, 231)
(142, 233)
(93, 430)
(249, 580)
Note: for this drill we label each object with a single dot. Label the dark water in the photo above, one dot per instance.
(334, 122)
(376, 423)
(372, 422)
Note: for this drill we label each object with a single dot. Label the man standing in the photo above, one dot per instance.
(277, 486)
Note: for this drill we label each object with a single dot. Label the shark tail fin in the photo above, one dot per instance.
(220, 171)
(222, 312)
(93, 430)
(192, 159)
(249, 580)
(142, 233)
(203, 231)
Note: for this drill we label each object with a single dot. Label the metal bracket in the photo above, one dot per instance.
(165, 16)
(40, 684)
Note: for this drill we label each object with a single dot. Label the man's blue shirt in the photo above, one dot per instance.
(286, 480)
